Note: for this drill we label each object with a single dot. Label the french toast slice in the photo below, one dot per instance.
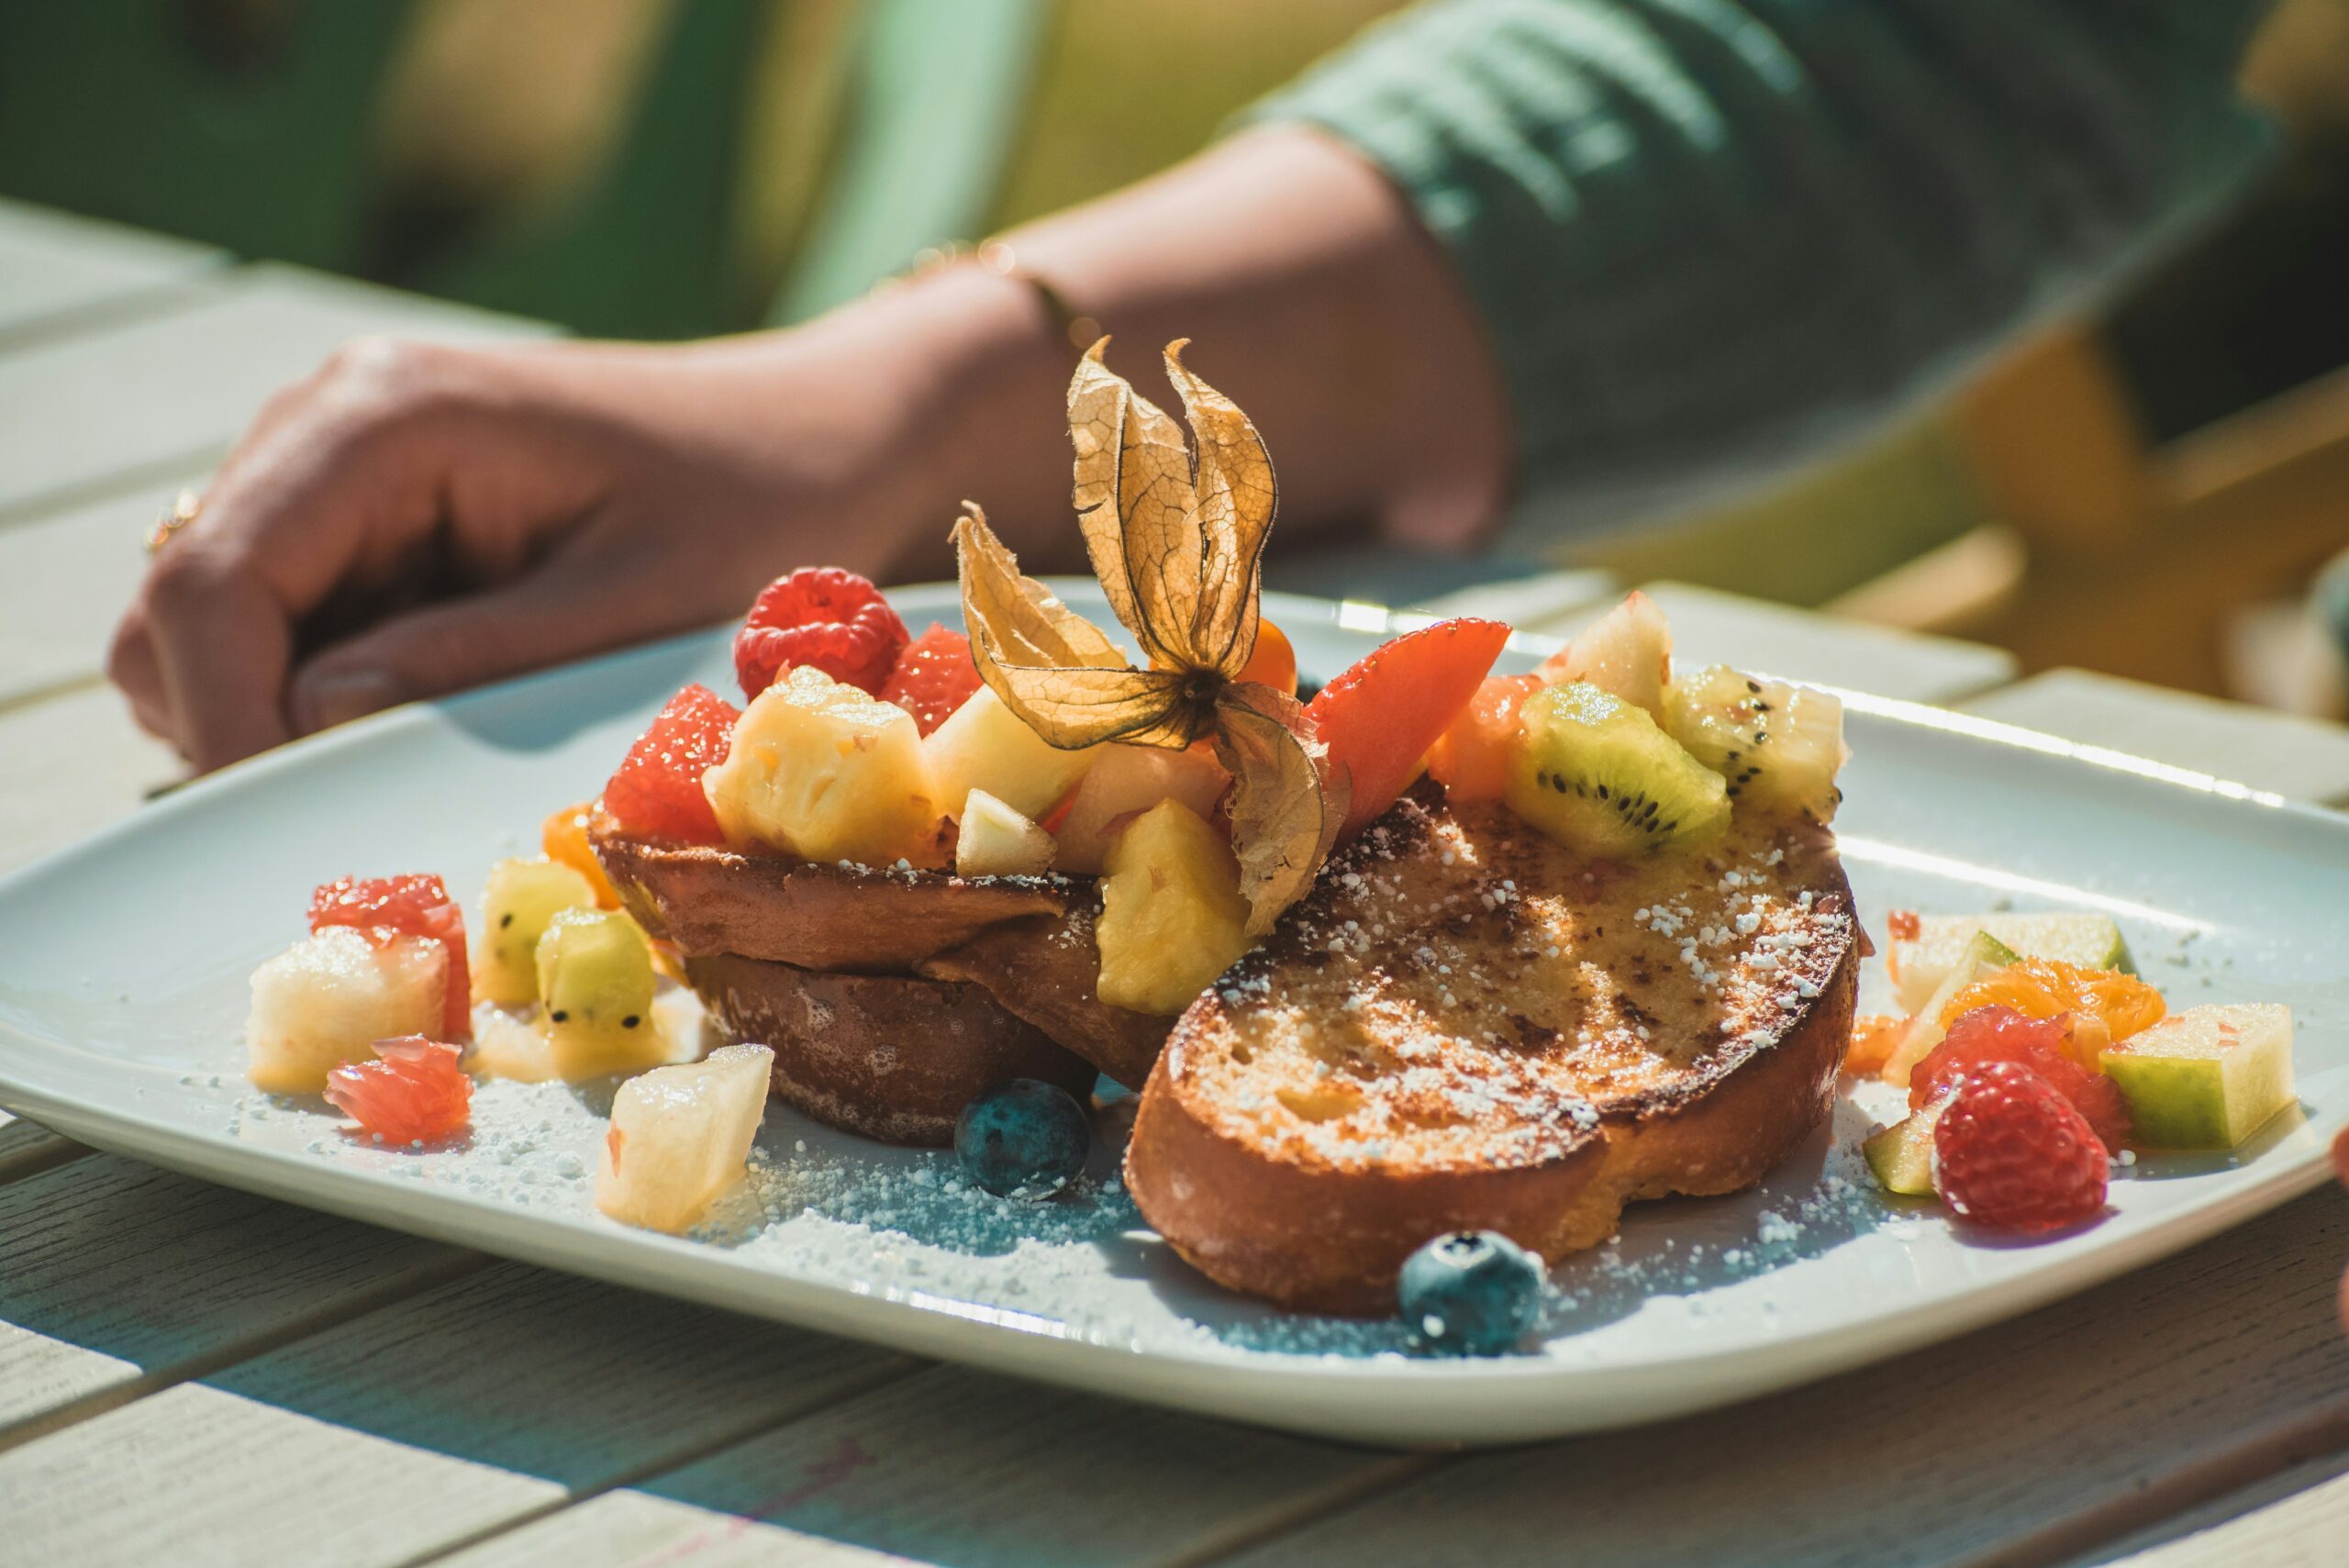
(817, 915)
(1047, 970)
(1466, 1026)
(894, 1057)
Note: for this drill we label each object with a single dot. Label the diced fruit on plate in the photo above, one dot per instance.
(823, 771)
(1123, 783)
(987, 746)
(413, 1092)
(2207, 1077)
(2044, 987)
(1381, 715)
(818, 618)
(657, 791)
(1171, 918)
(1982, 953)
(1901, 1155)
(1777, 746)
(1986, 1035)
(1626, 652)
(1273, 662)
(1874, 1037)
(520, 899)
(2010, 1153)
(680, 1136)
(1921, 949)
(996, 841)
(384, 907)
(329, 997)
(512, 1043)
(595, 976)
(1471, 758)
(1594, 773)
(563, 839)
(933, 678)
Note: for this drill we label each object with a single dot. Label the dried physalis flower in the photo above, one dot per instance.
(1177, 535)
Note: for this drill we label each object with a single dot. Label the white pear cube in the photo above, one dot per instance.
(826, 772)
(328, 998)
(2205, 1078)
(1125, 782)
(983, 745)
(1919, 963)
(680, 1136)
(996, 841)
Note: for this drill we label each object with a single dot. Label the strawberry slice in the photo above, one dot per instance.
(381, 907)
(1379, 718)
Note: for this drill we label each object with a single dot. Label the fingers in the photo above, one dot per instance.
(586, 599)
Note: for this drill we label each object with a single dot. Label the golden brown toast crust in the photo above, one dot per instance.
(811, 914)
(892, 1057)
(1047, 970)
(1466, 1026)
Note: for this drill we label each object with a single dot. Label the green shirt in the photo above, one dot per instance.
(1712, 237)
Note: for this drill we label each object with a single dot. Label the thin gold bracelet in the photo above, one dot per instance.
(996, 256)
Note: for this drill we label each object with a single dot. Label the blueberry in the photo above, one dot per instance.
(1473, 1293)
(1023, 1139)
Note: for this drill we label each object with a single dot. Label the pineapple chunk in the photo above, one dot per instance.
(2205, 1078)
(517, 903)
(595, 972)
(1171, 918)
(1626, 652)
(998, 841)
(328, 998)
(828, 772)
(1125, 782)
(680, 1136)
(983, 745)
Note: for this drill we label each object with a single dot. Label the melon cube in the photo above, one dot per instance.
(1123, 783)
(822, 770)
(996, 841)
(1982, 954)
(983, 745)
(1171, 918)
(329, 997)
(2207, 1077)
(680, 1136)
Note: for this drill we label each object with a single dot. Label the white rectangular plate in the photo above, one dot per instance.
(122, 992)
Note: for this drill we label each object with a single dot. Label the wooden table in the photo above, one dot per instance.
(194, 1376)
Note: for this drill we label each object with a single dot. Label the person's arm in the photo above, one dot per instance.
(557, 500)
(1712, 237)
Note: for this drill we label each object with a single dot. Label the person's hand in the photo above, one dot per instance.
(411, 520)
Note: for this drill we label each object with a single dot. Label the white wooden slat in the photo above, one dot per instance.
(2304, 759)
(2017, 1443)
(72, 764)
(1712, 627)
(2272, 1522)
(65, 580)
(118, 1276)
(406, 1431)
(53, 263)
(26, 1147)
(957, 1467)
(176, 389)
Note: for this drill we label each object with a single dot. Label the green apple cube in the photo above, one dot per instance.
(1982, 954)
(2207, 1077)
(1901, 1155)
(1920, 964)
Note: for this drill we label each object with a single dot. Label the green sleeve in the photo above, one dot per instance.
(1711, 236)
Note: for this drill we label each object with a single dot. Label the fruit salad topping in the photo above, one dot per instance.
(381, 908)
(563, 837)
(657, 792)
(821, 615)
(934, 676)
(1380, 716)
(1995, 1034)
(2013, 1153)
(413, 1092)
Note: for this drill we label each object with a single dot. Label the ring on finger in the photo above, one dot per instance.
(177, 516)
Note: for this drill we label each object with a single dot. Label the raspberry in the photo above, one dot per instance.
(822, 615)
(2011, 1153)
(414, 1089)
(2001, 1034)
(657, 792)
(385, 907)
(934, 676)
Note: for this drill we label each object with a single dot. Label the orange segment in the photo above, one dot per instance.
(2111, 1005)
(1274, 663)
(564, 837)
(1874, 1037)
